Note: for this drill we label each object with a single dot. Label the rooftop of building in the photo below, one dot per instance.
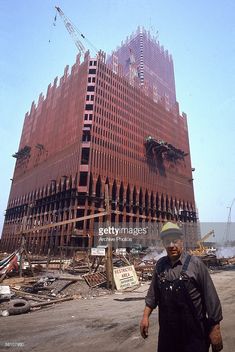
(150, 36)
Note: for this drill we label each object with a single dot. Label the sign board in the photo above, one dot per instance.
(99, 251)
(121, 251)
(125, 277)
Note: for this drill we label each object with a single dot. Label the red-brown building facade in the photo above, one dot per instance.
(142, 55)
(95, 127)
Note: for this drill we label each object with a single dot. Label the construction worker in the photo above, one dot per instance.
(189, 308)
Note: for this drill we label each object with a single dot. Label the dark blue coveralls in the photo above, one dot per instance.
(180, 328)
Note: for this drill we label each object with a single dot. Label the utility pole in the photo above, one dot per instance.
(109, 255)
(23, 250)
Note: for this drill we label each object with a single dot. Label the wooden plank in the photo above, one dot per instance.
(60, 223)
(34, 305)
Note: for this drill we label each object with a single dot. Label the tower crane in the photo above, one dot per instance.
(75, 33)
(227, 233)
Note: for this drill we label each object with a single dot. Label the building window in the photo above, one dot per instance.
(91, 88)
(85, 156)
(83, 178)
(89, 107)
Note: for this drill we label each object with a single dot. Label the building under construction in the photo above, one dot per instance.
(110, 121)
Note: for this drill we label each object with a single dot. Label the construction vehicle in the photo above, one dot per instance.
(202, 250)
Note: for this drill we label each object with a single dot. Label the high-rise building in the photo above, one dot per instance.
(96, 126)
(142, 55)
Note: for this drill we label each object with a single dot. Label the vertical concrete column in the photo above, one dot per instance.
(91, 227)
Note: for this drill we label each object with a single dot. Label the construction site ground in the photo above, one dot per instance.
(106, 323)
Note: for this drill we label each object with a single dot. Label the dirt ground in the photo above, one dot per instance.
(103, 324)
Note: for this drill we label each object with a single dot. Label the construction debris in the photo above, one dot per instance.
(5, 292)
(27, 294)
(43, 304)
(18, 306)
(8, 265)
(53, 285)
(145, 272)
(87, 278)
(95, 279)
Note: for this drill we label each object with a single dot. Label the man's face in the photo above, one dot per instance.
(174, 246)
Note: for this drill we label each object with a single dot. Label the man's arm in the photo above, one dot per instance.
(212, 305)
(144, 324)
(151, 303)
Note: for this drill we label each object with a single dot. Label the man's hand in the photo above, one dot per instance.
(144, 326)
(216, 338)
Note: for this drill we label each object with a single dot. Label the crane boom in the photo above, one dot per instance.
(201, 250)
(206, 236)
(72, 31)
(75, 34)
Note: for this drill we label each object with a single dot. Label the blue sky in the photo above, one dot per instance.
(199, 34)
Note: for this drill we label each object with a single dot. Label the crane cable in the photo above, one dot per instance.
(53, 25)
